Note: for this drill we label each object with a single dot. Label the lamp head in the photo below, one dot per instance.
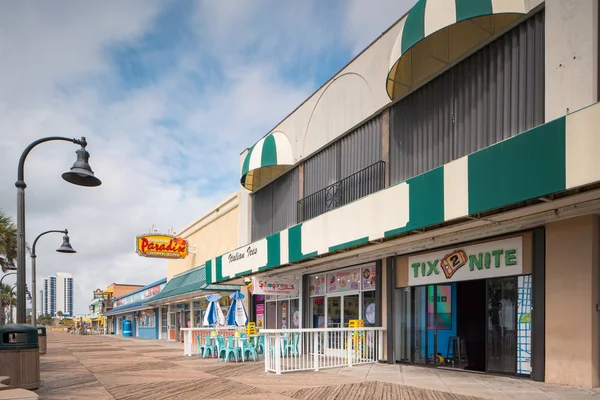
(81, 173)
(66, 246)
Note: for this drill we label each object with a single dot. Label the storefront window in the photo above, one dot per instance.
(271, 315)
(368, 308)
(281, 314)
(317, 305)
(284, 317)
(337, 297)
(295, 313)
(146, 319)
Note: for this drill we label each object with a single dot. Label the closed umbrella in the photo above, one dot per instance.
(237, 313)
(214, 314)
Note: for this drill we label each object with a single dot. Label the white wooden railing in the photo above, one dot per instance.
(190, 335)
(288, 350)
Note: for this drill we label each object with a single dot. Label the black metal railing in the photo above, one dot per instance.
(357, 185)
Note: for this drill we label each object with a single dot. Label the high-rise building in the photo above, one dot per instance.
(57, 294)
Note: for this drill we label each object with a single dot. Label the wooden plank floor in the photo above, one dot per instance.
(100, 367)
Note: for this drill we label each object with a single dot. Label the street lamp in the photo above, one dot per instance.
(80, 174)
(65, 248)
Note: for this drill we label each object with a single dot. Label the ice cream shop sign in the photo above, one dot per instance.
(161, 246)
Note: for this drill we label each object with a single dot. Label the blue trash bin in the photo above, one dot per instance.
(126, 328)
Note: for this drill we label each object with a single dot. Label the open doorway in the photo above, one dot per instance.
(471, 320)
(467, 325)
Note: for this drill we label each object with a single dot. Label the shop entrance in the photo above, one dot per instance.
(468, 325)
(341, 309)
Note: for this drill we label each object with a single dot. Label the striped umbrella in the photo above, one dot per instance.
(214, 314)
(237, 313)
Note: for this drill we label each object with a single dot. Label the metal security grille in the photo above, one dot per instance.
(492, 95)
(274, 206)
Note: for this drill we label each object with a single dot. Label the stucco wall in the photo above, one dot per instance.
(572, 322)
(122, 290)
(571, 55)
(213, 239)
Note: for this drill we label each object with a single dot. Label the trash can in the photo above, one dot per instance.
(42, 338)
(20, 355)
(126, 328)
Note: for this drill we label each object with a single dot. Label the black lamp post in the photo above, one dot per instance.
(80, 174)
(65, 248)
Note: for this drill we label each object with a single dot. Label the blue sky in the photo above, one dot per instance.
(168, 93)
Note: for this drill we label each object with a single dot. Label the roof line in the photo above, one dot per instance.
(148, 286)
(332, 77)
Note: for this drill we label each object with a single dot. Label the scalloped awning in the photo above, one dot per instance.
(266, 160)
(437, 32)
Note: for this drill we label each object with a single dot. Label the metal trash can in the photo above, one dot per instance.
(127, 328)
(20, 355)
(42, 338)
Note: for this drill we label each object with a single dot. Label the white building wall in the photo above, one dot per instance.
(571, 56)
(358, 91)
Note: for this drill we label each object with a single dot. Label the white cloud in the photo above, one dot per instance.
(57, 79)
(365, 21)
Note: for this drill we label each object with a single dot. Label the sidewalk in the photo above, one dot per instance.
(112, 367)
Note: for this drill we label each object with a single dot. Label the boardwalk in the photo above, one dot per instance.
(100, 367)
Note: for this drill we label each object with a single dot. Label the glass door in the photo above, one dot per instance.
(163, 323)
(271, 315)
(428, 344)
(502, 325)
(334, 312)
(317, 305)
(351, 308)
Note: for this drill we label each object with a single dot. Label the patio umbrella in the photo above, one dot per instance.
(237, 313)
(214, 314)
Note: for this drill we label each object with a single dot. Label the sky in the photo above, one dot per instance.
(167, 94)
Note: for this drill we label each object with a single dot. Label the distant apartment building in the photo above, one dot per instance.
(57, 294)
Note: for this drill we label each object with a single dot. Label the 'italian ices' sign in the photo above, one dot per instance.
(480, 261)
(245, 259)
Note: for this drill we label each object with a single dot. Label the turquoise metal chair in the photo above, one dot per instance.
(209, 347)
(291, 348)
(250, 349)
(200, 345)
(220, 344)
(260, 344)
(230, 349)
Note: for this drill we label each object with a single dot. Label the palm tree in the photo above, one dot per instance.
(5, 300)
(8, 242)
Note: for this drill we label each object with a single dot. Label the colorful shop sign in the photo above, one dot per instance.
(161, 246)
(153, 291)
(368, 277)
(273, 286)
(317, 285)
(343, 281)
(480, 261)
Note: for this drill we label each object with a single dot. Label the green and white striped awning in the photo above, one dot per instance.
(435, 33)
(266, 160)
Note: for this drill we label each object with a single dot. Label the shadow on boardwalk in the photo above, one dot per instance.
(108, 367)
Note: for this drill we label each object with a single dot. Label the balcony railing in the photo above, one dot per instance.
(357, 185)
